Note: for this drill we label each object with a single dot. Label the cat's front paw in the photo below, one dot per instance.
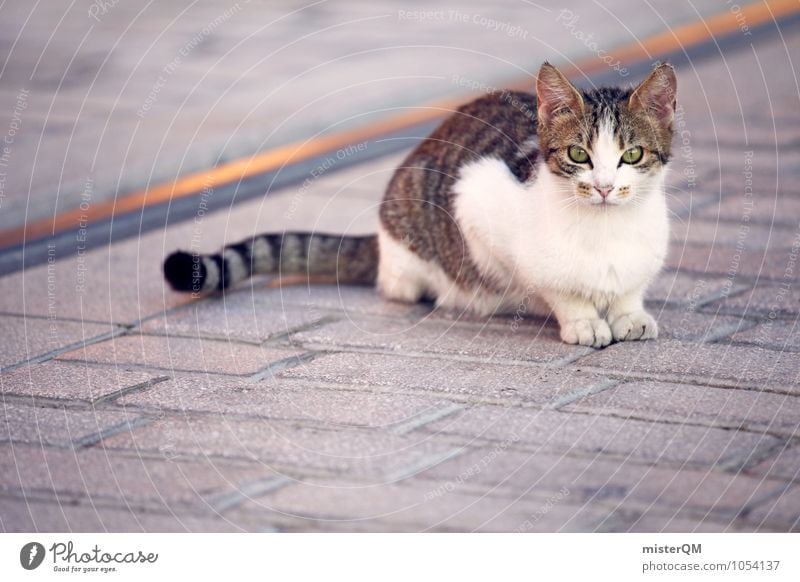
(587, 332)
(638, 325)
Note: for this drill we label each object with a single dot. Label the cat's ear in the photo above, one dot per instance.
(556, 94)
(656, 95)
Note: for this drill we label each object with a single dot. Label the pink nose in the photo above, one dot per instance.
(604, 191)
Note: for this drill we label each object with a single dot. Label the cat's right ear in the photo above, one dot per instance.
(655, 96)
(556, 94)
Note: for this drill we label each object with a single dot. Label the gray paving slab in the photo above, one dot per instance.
(297, 402)
(25, 339)
(730, 365)
(681, 403)
(412, 508)
(783, 510)
(528, 343)
(20, 516)
(380, 456)
(777, 334)
(785, 464)
(766, 302)
(621, 483)
(95, 476)
(162, 92)
(61, 427)
(467, 381)
(179, 353)
(235, 320)
(559, 432)
(69, 381)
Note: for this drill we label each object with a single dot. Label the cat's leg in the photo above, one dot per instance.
(628, 319)
(579, 319)
(401, 273)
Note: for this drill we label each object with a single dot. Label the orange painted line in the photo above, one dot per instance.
(688, 35)
(669, 41)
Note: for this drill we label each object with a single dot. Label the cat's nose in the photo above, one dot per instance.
(604, 191)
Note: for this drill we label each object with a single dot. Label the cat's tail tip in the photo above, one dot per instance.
(184, 272)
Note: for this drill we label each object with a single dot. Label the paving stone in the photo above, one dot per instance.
(781, 513)
(764, 207)
(175, 353)
(675, 288)
(704, 232)
(20, 516)
(118, 284)
(408, 509)
(332, 408)
(681, 403)
(600, 480)
(353, 300)
(26, 338)
(739, 265)
(95, 475)
(377, 455)
(650, 523)
(502, 383)
(683, 202)
(582, 433)
(64, 380)
(688, 324)
(772, 333)
(403, 336)
(228, 113)
(60, 427)
(764, 300)
(412, 507)
(184, 391)
(237, 317)
(702, 363)
(726, 157)
(621, 519)
(527, 317)
(784, 465)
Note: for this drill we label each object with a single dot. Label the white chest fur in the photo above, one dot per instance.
(536, 237)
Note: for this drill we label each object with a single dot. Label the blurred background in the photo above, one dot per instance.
(106, 97)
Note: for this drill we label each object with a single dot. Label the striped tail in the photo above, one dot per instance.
(345, 259)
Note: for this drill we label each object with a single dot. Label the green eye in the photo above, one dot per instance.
(633, 155)
(577, 154)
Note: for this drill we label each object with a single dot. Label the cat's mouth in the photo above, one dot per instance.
(604, 201)
(616, 196)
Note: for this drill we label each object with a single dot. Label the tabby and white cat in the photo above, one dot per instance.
(558, 195)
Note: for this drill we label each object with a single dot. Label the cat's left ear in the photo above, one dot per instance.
(556, 94)
(656, 95)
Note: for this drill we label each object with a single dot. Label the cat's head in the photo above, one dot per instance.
(608, 145)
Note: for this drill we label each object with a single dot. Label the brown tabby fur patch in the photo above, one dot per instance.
(418, 208)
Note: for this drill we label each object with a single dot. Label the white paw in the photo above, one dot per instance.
(638, 325)
(587, 332)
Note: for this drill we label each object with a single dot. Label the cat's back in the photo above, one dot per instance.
(501, 124)
(418, 207)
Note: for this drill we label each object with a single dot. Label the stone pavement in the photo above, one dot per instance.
(107, 97)
(131, 408)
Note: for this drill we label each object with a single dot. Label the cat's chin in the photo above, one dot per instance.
(603, 204)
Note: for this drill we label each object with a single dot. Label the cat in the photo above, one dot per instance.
(557, 195)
